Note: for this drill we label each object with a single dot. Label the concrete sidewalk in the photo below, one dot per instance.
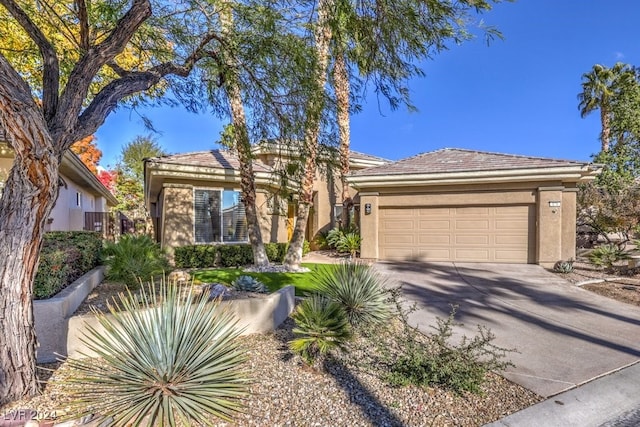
(565, 336)
(613, 400)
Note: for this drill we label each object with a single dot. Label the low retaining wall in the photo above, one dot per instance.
(51, 316)
(262, 314)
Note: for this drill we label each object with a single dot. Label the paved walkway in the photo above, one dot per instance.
(565, 336)
(611, 401)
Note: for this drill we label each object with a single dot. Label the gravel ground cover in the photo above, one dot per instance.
(622, 284)
(285, 392)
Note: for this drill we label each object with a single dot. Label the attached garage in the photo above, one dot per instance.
(502, 234)
(470, 206)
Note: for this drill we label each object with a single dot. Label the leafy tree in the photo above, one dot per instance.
(600, 88)
(80, 59)
(384, 40)
(129, 175)
(88, 152)
(108, 179)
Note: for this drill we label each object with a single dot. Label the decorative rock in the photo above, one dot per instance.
(181, 277)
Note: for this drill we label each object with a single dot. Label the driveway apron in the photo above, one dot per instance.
(565, 336)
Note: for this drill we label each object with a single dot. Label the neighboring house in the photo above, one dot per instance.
(194, 198)
(83, 201)
(445, 205)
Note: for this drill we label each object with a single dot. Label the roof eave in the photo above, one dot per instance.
(74, 162)
(578, 173)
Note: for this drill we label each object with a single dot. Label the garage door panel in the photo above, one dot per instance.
(435, 225)
(434, 239)
(397, 225)
(434, 254)
(460, 233)
(471, 239)
(472, 224)
(399, 239)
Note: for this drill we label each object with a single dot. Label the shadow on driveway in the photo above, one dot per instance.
(565, 335)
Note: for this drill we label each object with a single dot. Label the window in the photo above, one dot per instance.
(79, 200)
(219, 216)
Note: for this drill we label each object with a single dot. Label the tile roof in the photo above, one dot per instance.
(462, 160)
(357, 155)
(219, 159)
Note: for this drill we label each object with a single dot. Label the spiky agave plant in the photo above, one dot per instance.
(321, 326)
(249, 284)
(358, 288)
(162, 359)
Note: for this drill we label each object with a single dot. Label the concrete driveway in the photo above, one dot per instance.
(565, 336)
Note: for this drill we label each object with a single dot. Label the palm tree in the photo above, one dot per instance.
(599, 89)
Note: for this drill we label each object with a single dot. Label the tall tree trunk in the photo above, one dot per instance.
(28, 197)
(315, 106)
(605, 118)
(242, 145)
(343, 90)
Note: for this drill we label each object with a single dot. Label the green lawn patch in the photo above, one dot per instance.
(273, 281)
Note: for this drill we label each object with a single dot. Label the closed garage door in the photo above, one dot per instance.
(502, 234)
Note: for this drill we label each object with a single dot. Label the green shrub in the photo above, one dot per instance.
(162, 356)
(276, 251)
(235, 255)
(606, 255)
(249, 284)
(564, 267)
(358, 289)
(134, 258)
(320, 240)
(207, 256)
(423, 360)
(64, 257)
(321, 326)
(350, 243)
(306, 248)
(53, 273)
(195, 256)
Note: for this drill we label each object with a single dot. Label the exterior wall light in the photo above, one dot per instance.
(554, 204)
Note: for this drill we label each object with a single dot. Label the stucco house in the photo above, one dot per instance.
(444, 205)
(83, 201)
(194, 198)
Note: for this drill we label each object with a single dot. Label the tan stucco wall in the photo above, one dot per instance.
(555, 226)
(177, 226)
(66, 214)
(273, 219)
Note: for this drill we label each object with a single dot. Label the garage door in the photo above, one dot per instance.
(502, 234)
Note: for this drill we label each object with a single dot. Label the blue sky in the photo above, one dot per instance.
(517, 95)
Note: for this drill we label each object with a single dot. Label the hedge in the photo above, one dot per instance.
(64, 257)
(208, 256)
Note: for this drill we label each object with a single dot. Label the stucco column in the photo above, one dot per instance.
(549, 242)
(177, 229)
(569, 214)
(369, 225)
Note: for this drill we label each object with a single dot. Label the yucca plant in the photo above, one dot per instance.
(249, 284)
(321, 326)
(358, 288)
(162, 359)
(133, 258)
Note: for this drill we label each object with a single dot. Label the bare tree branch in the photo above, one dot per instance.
(51, 66)
(90, 63)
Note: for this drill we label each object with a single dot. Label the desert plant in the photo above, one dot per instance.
(563, 267)
(134, 258)
(359, 290)
(249, 284)
(350, 242)
(165, 358)
(321, 326)
(607, 255)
